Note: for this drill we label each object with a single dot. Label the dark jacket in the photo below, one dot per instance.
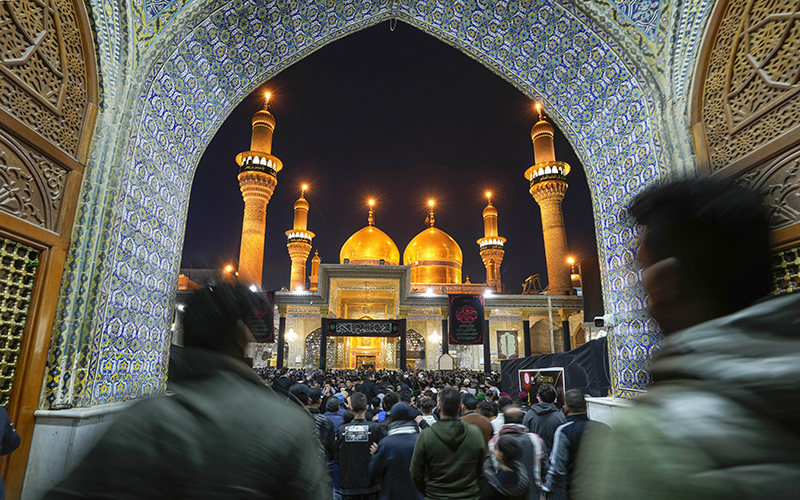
(543, 419)
(325, 434)
(337, 420)
(352, 454)
(222, 434)
(390, 465)
(566, 444)
(532, 455)
(9, 441)
(721, 421)
(506, 484)
(447, 460)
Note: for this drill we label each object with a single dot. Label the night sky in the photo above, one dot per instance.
(402, 118)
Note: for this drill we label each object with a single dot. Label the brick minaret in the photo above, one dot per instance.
(548, 180)
(491, 245)
(258, 170)
(299, 243)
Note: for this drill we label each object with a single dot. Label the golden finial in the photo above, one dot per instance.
(430, 219)
(303, 190)
(489, 196)
(371, 213)
(266, 102)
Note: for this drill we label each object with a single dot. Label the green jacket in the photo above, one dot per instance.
(222, 434)
(452, 454)
(722, 420)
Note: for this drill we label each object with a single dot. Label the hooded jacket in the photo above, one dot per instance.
(721, 421)
(222, 434)
(507, 484)
(391, 463)
(543, 419)
(532, 455)
(451, 453)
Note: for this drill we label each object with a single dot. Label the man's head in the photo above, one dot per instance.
(314, 397)
(426, 405)
(705, 250)
(332, 405)
(470, 402)
(358, 403)
(389, 400)
(547, 393)
(508, 451)
(503, 402)
(513, 415)
(449, 402)
(217, 318)
(574, 402)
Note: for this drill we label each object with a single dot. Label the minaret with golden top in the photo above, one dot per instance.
(258, 170)
(313, 280)
(491, 246)
(548, 179)
(299, 242)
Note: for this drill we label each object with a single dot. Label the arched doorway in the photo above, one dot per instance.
(415, 350)
(312, 348)
(213, 55)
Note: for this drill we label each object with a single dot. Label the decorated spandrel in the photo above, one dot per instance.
(365, 327)
(466, 319)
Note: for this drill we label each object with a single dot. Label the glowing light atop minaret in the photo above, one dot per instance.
(371, 219)
(431, 218)
(491, 246)
(299, 242)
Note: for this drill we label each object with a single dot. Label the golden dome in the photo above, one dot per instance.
(434, 257)
(370, 245)
(489, 211)
(301, 203)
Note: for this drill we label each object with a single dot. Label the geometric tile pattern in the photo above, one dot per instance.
(642, 13)
(112, 332)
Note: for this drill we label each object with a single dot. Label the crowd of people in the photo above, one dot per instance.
(720, 422)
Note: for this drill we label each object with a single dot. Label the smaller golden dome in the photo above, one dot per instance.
(432, 244)
(542, 127)
(370, 245)
(489, 211)
(264, 117)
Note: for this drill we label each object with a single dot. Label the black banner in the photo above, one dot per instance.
(262, 323)
(466, 319)
(585, 368)
(365, 327)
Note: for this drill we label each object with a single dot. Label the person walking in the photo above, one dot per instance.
(448, 456)
(566, 446)
(544, 417)
(221, 433)
(722, 418)
(352, 453)
(391, 458)
(507, 480)
(532, 446)
(470, 415)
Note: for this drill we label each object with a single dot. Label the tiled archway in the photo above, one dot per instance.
(221, 51)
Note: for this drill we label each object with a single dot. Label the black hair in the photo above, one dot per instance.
(426, 404)
(405, 396)
(358, 402)
(575, 400)
(376, 402)
(547, 392)
(348, 417)
(449, 401)
(389, 400)
(487, 408)
(212, 315)
(510, 449)
(718, 231)
(469, 401)
(503, 402)
(332, 405)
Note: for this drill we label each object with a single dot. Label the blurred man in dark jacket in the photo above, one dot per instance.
(532, 458)
(470, 415)
(722, 419)
(222, 434)
(352, 451)
(392, 458)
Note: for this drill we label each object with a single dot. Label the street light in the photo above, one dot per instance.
(435, 337)
(291, 336)
(228, 268)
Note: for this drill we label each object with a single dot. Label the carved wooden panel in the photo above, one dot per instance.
(748, 98)
(753, 78)
(43, 71)
(31, 185)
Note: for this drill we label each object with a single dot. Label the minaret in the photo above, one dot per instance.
(491, 245)
(299, 242)
(313, 280)
(258, 170)
(548, 180)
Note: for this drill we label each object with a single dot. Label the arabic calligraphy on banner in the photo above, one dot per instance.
(466, 319)
(365, 327)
